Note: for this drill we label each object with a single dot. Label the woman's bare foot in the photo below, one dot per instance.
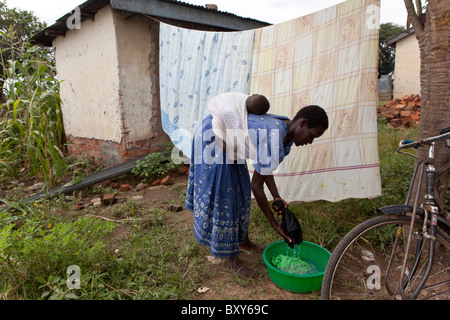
(248, 245)
(241, 270)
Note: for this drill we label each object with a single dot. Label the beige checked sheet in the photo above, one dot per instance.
(328, 58)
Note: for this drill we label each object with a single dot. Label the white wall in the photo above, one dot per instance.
(86, 58)
(407, 67)
(134, 43)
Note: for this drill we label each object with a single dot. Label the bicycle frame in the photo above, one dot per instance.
(429, 208)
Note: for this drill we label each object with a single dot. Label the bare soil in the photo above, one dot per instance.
(224, 284)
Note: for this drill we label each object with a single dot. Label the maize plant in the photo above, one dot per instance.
(31, 124)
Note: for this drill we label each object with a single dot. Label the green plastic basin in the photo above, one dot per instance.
(292, 282)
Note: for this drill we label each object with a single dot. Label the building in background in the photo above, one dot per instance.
(406, 78)
(109, 64)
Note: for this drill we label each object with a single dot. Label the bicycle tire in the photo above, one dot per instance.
(345, 280)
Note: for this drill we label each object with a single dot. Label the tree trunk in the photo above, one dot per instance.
(434, 43)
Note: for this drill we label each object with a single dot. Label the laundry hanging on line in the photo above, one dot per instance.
(328, 58)
(195, 66)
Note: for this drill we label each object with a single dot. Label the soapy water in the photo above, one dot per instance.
(291, 263)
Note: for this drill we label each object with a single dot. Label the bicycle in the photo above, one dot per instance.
(403, 253)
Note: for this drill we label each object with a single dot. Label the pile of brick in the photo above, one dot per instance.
(401, 112)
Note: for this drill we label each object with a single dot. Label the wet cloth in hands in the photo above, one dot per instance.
(290, 224)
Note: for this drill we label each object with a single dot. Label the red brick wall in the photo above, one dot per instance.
(108, 152)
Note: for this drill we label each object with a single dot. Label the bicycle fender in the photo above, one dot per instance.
(399, 209)
(395, 209)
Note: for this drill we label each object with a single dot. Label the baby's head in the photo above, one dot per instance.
(257, 104)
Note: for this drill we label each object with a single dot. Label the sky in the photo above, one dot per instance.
(272, 11)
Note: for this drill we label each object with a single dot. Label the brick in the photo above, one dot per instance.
(166, 181)
(411, 104)
(125, 187)
(184, 170)
(405, 113)
(415, 116)
(114, 185)
(79, 206)
(109, 199)
(395, 123)
(142, 152)
(406, 120)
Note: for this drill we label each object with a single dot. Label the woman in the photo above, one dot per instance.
(219, 189)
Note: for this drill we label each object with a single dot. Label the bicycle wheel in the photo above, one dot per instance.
(361, 266)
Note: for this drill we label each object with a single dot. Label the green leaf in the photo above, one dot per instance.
(75, 181)
(70, 296)
(16, 103)
(55, 296)
(53, 280)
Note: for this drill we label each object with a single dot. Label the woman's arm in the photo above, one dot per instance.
(270, 183)
(258, 181)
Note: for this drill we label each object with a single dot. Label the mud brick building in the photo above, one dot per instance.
(108, 63)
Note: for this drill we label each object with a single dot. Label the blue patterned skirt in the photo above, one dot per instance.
(219, 194)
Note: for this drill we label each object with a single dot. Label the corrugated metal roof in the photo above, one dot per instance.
(181, 3)
(156, 8)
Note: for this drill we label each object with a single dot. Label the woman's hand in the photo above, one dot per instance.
(279, 205)
(258, 181)
(280, 230)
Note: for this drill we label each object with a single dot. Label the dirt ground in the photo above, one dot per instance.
(222, 283)
(225, 284)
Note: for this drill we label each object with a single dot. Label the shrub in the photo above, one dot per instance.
(155, 165)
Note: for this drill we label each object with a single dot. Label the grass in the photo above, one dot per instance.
(151, 261)
(147, 257)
